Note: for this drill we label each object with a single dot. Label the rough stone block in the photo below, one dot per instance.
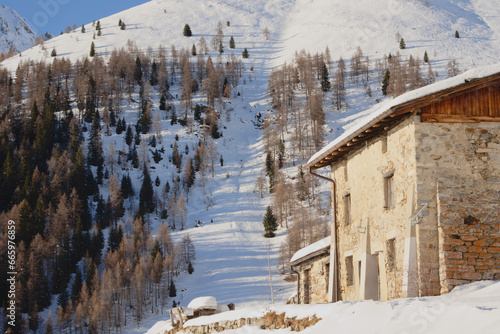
(493, 249)
(472, 276)
(468, 238)
(453, 255)
(475, 249)
(453, 241)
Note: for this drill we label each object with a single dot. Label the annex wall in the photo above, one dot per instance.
(458, 172)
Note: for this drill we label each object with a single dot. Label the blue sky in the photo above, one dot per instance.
(55, 15)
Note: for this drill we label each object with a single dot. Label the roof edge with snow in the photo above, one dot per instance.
(318, 248)
(397, 109)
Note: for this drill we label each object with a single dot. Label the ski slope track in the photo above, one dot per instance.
(231, 252)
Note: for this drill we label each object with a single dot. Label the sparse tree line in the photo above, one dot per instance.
(299, 92)
(55, 172)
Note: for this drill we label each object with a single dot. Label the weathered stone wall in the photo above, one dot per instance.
(270, 320)
(318, 280)
(459, 176)
(365, 238)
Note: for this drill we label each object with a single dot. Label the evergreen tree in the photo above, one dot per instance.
(146, 202)
(325, 81)
(115, 238)
(96, 246)
(221, 47)
(385, 81)
(92, 49)
(138, 70)
(129, 136)
(457, 35)
(126, 187)
(176, 157)
(187, 30)
(76, 287)
(190, 268)
(231, 43)
(154, 74)
(123, 26)
(193, 50)
(95, 144)
(245, 53)
(53, 53)
(163, 104)
(270, 224)
(402, 44)
(83, 29)
(426, 57)
(172, 291)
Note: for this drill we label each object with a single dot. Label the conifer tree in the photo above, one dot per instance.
(92, 49)
(146, 202)
(193, 50)
(385, 82)
(172, 291)
(270, 224)
(231, 43)
(245, 53)
(426, 57)
(95, 144)
(402, 44)
(153, 80)
(53, 53)
(187, 31)
(325, 81)
(83, 29)
(123, 26)
(457, 35)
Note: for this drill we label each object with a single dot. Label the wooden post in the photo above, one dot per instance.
(270, 277)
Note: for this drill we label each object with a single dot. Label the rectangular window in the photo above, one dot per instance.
(391, 254)
(347, 208)
(327, 275)
(359, 272)
(384, 143)
(349, 270)
(389, 190)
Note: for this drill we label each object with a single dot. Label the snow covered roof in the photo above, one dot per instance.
(317, 248)
(207, 302)
(394, 110)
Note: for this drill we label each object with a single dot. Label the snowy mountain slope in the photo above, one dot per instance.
(155, 23)
(15, 32)
(372, 25)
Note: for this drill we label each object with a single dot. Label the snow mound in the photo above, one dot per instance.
(208, 302)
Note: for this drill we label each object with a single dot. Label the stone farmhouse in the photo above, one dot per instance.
(311, 264)
(416, 193)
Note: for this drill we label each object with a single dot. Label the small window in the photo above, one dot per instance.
(347, 208)
(327, 275)
(389, 190)
(359, 272)
(384, 143)
(391, 254)
(349, 270)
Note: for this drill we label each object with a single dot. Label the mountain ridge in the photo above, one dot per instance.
(15, 32)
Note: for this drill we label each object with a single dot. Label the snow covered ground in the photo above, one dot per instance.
(473, 308)
(232, 255)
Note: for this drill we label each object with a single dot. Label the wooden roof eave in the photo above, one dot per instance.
(312, 255)
(364, 136)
